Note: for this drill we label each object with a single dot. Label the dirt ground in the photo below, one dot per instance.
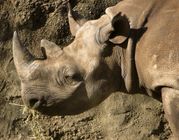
(120, 117)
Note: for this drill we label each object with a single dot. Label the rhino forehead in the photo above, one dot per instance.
(85, 53)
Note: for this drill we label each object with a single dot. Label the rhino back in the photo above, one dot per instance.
(157, 52)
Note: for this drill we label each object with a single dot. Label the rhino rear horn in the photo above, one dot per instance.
(51, 49)
(22, 57)
(75, 20)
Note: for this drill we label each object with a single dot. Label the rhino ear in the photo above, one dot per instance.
(75, 20)
(117, 31)
(51, 49)
(121, 29)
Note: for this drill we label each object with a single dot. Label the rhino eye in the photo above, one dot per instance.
(77, 77)
(69, 76)
(73, 78)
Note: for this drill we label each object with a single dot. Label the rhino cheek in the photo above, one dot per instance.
(76, 103)
(69, 94)
(96, 91)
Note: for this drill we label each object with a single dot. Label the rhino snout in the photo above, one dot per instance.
(34, 101)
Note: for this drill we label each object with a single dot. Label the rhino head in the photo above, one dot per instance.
(73, 79)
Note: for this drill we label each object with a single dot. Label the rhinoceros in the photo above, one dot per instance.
(133, 47)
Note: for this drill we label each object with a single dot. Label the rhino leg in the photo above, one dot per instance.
(170, 98)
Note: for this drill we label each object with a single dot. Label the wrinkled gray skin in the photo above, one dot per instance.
(133, 46)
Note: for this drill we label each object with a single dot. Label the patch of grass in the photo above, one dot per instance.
(32, 120)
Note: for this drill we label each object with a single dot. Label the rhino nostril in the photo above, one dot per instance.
(34, 103)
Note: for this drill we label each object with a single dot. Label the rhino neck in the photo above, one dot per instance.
(117, 62)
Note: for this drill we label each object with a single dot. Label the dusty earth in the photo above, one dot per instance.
(120, 117)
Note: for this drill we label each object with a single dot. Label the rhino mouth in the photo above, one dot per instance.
(74, 104)
(64, 108)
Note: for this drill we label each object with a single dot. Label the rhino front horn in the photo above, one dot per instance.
(22, 57)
